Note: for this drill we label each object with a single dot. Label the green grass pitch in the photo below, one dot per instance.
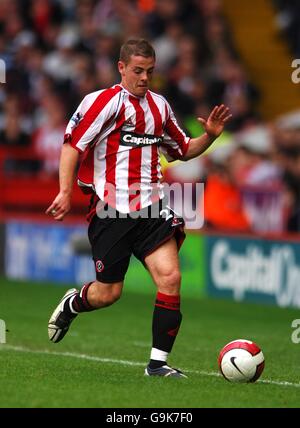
(100, 363)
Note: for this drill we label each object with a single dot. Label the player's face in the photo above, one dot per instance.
(137, 74)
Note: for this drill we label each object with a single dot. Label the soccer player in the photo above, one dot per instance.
(120, 132)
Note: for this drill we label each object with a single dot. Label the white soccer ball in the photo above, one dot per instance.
(241, 361)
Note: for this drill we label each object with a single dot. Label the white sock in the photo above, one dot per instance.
(157, 354)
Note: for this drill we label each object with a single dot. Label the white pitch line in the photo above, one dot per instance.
(71, 354)
(129, 363)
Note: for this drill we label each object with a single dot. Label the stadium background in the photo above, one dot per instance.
(208, 52)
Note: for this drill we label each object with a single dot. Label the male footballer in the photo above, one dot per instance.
(120, 132)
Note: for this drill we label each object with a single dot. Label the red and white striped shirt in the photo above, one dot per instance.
(121, 136)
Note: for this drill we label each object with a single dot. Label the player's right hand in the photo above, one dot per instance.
(60, 206)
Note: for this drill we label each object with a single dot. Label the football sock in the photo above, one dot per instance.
(78, 303)
(165, 326)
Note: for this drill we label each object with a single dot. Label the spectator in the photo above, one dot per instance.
(288, 21)
(286, 136)
(15, 136)
(223, 205)
(233, 87)
(59, 64)
(49, 136)
(12, 134)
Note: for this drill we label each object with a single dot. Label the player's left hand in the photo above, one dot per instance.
(216, 121)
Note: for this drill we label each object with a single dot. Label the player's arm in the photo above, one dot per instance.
(213, 127)
(67, 168)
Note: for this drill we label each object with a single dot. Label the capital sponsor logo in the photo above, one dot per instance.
(139, 140)
(276, 274)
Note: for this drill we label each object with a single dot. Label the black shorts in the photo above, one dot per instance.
(114, 240)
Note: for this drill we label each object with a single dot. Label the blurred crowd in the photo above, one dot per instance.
(288, 22)
(57, 51)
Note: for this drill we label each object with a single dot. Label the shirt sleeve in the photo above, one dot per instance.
(92, 115)
(176, 143)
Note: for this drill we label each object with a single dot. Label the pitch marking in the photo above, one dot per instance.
(129, 363)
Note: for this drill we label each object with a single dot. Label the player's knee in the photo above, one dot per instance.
(170, 281)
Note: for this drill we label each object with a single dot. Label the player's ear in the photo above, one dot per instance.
(121, 67)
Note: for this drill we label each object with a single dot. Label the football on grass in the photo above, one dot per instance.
(241, 361)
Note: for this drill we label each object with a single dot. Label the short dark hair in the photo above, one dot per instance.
(136, 47)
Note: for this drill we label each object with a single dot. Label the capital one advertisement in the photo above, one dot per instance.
(257, 270)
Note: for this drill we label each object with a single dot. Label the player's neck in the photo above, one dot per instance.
(124, 86)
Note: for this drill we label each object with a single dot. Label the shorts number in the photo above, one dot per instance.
(167, 212)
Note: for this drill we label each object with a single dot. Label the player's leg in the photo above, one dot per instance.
(157, 246)
(94, 295)
(163, 265)
(111, 249)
